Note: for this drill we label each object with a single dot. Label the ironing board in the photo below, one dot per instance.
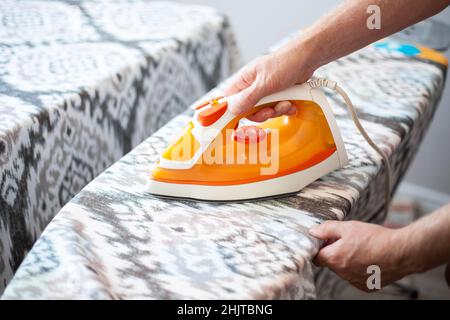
(81, 84)
(115, 241)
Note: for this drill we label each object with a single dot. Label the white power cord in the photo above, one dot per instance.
(325, 83)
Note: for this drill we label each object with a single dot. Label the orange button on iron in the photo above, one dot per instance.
(210, 115)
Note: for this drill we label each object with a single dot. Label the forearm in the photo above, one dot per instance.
(425, 244)
(340, 32)
(345, 30)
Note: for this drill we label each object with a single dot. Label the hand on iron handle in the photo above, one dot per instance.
(329, 38)
(266, 75)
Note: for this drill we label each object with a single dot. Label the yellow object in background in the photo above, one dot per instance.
(411, 50)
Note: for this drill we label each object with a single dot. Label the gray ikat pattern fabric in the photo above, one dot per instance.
(81, 84)
(116, 241)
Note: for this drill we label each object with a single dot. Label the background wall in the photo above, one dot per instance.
(259, 24)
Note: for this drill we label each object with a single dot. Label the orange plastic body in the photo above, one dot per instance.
(297, 142)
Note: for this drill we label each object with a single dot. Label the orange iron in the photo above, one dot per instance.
(217, 156)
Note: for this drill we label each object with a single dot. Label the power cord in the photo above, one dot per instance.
(325, 83)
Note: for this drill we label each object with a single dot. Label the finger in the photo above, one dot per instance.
(282, 108)
(236, 85)
(245, 99)
(327, 230)
(240, 81)
(325, 256)
(262, 115)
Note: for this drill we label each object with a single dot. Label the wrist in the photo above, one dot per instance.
(303, 50)
(406, 255)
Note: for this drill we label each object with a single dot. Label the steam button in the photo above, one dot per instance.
(210, 115)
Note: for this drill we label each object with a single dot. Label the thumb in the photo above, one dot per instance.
(246, 99)
(327, 230)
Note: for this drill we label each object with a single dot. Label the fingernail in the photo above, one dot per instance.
(282, 107)
(286, 104)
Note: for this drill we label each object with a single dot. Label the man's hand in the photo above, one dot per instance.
(266, 75)
(352, 246)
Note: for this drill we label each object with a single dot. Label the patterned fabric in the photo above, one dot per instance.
(81, 84)
(115, 241)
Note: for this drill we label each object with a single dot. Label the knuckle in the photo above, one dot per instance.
(349, 227)
(344, 264)
(330, 259)
(327, 225)
(338, 262)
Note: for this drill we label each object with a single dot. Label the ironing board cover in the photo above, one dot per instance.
(115, 241)
(81, 84)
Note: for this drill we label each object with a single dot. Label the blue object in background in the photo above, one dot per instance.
(406, 49)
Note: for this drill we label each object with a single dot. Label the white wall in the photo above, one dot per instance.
(431, 167)
(260, 24)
